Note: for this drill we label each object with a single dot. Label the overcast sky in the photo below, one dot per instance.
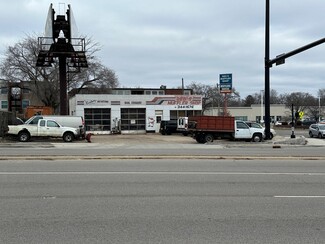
(149, 43)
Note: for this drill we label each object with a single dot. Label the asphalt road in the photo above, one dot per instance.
(162, 201)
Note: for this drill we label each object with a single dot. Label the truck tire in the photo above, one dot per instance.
(200, 138)
(208, 138)
(23, 136)
(68, 137)
(257, 138)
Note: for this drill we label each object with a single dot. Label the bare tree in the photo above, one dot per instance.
(211, 95)
(19, 65)
(301, 101)
(249, 100)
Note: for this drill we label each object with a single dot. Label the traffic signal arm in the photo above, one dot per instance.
(280, 59)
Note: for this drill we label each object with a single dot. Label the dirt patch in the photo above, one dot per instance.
(142, 138)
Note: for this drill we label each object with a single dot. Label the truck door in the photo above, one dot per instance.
(182, 123)
(42, 130)
(53, 128)
(242, 130)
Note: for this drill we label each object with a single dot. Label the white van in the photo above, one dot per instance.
(63, 120)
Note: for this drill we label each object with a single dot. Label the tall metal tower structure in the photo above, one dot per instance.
(60, 43)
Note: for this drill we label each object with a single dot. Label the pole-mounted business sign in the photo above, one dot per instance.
(225, 83)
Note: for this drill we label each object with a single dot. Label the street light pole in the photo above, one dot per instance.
(267, 71)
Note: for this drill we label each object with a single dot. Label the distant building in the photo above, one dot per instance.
(254, 113)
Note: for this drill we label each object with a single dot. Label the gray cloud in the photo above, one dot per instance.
(150, 43)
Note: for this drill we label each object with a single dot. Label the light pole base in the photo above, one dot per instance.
(293, 132)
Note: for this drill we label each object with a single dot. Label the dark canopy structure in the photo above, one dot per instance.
(60, 43)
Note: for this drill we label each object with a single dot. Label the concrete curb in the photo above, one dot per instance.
(203, 157)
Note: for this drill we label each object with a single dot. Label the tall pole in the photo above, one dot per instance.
(267, 70)
(262, 106)
(319, 118)
(292, 122)
(63, 85)
(225, 108)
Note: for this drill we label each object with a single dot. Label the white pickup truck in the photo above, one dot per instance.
(44, 128)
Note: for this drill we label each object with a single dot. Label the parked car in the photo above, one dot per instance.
(281, 123)
(257, 125)
(308, 122)
(167, 127)
(317, 130)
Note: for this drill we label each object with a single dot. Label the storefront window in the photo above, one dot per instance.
(97, 119)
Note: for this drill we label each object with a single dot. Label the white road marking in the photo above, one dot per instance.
(299, 196)
(151, 173)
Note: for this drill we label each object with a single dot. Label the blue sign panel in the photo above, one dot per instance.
(225, 83)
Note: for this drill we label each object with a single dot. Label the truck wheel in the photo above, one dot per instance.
(23, 136)
(257, 138)
(68, 137)
(200, 138)
(208, 138)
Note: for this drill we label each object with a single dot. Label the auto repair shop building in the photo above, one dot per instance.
(126, 112)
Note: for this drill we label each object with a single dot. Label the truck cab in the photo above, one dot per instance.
(243, 131)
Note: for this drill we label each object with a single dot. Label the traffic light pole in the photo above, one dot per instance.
(280, 59)
(267, 73)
